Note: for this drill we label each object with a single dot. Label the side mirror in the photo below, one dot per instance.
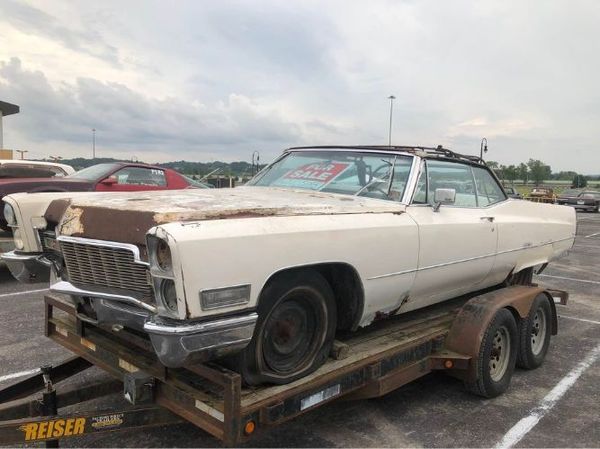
(109, 181)
(443, 196)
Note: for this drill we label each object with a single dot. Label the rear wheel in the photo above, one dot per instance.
(497, 356)
(535, 334)
(294, 332)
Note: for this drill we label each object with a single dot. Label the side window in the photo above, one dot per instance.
(141, 176)
(452, 175)
(488, 190)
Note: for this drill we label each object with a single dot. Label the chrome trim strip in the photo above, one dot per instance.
(411, 183)
(398, 273)
(67, 288)
(106, 244)
(14, 256)
(164, 328)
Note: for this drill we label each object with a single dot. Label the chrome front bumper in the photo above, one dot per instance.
(27, 267)
(176, 343)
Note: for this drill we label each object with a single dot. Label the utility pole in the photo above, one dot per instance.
(93, 143)
(22, 153)
(483, 148)
(257, 162)
(391, 98)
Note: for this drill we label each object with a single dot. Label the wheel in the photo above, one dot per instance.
(294, 332)
(497, 356)
(535, 334)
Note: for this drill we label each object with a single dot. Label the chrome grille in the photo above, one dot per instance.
(106, 267)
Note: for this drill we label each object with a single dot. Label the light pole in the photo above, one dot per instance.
(257, 162)
(22, 153)
(391, 98)
(93, 143)
(483, 148)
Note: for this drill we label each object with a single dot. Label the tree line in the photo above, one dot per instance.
(536, 172)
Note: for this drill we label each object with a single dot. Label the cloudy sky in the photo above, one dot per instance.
(216, 80)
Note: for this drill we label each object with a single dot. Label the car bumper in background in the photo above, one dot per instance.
(27, 267)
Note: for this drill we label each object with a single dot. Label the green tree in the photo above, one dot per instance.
(579, 181)
(511, 173)
(539, 171)
(523, 172)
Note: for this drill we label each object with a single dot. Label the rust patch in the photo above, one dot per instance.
(71, 222)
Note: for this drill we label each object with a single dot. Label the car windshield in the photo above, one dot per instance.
(195, 183)
(375, 175)
(95, 172)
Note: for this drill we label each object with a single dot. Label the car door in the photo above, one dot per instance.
(458, 243)
(131, 179)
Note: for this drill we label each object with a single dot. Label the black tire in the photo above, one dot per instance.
(294, 332)
(535, 333)
(496, 360)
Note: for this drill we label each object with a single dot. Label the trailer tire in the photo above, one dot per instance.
(497, 356)
(535, 332)
(294, 332)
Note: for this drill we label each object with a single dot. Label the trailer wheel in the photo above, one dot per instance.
(535, 334)
(497, 356)
(294, 332)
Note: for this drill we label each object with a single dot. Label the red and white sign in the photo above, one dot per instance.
(313, 176)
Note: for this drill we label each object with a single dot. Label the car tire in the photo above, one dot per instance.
(294, 332)
(535, 332)
(497, 356)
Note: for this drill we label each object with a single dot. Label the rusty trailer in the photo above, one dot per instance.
(365, 364)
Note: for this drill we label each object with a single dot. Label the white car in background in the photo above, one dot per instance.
(19, 168)
(321, 240)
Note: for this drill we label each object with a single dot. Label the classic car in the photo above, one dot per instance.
(33, 169)
(321, 240)
(511, 192)
(106, 177)
(588, 200)
(542, 192)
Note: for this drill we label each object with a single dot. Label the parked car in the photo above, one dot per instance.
(107, 177)
(511, 192)
(33, 169)
(587, 200)
(545, 192)
(321, 240)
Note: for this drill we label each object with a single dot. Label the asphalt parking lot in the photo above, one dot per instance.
(557, 405)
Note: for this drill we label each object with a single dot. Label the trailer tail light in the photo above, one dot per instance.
(249, 427)
(448, 364)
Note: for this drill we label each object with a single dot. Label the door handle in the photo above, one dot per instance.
(490, 219)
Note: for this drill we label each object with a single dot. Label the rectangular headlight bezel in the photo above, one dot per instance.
(219, 298)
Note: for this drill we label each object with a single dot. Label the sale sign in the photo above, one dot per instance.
(312, 176)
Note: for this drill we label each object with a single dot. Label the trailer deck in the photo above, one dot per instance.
(365, 364)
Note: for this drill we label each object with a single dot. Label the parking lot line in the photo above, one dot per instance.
(569, 279)
(579, 319)
(522, 428)
(17, 375)
(592, 235)
(22, 293)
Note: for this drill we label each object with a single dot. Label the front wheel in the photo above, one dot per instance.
(294, 332)
(497, 356)
(535, 334)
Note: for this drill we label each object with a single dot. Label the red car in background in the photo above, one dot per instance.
(107, 177)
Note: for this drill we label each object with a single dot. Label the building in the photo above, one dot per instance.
(6, 109)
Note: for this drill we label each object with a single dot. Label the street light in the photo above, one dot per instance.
(483, 148)
(22, 152)
(257, 162)
(391, 98)
(93, 143)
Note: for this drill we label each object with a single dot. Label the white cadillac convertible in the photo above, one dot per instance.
(323, 239)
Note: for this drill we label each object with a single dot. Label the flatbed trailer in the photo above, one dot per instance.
(365, 364)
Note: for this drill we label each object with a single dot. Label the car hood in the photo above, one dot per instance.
(15, 185)
(126, 217)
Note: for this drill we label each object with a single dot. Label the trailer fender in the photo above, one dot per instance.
(467, 331)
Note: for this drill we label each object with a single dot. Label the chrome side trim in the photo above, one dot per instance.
(439, 265)
(106, 244)
(411, 182)
(168, 328)
(67, 288)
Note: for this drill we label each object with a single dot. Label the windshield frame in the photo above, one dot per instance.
(410, 181)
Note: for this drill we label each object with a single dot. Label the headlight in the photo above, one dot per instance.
(159, 254)
(168, 295)
(9, 215)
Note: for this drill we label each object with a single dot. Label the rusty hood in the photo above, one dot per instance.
(126, 217)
